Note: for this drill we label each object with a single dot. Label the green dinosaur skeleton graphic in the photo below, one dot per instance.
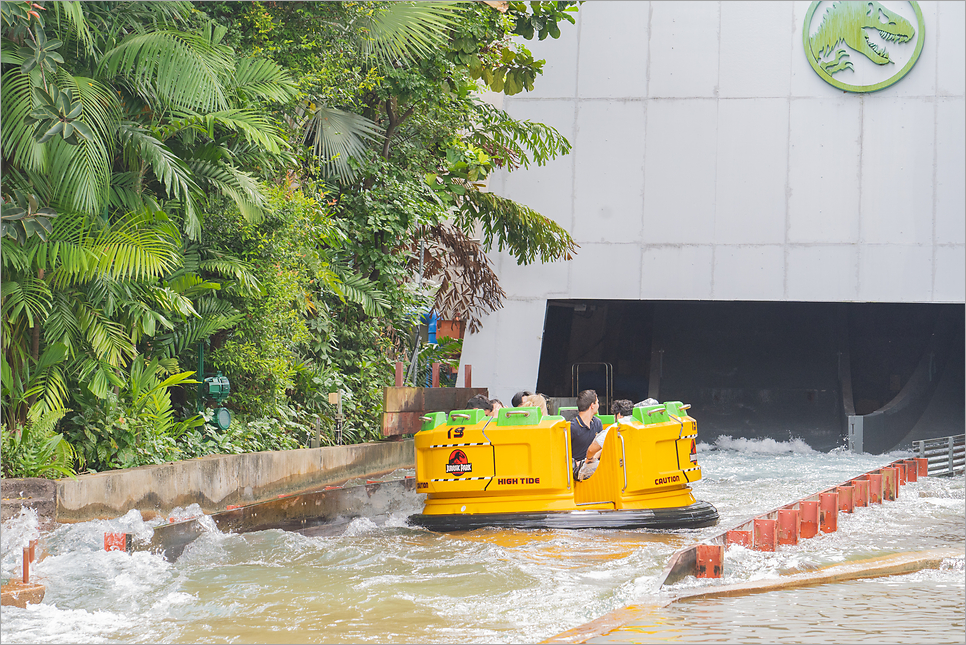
(845, 24)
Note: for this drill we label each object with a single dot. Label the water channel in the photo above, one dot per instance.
(376, 580)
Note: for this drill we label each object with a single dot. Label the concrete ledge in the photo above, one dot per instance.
(215, 481)
(890, 565)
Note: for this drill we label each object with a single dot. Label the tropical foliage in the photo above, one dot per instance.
(254, 185)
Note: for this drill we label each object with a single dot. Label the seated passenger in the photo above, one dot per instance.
(584, 428)
(535, 401)
(497, 404)
(517, 399)
(480, 402)
(622, 408)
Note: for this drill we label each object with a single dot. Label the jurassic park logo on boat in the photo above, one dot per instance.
(458, 464)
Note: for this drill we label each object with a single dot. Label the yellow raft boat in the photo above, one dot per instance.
(515, 470)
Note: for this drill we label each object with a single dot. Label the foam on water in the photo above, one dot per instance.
(379, 580)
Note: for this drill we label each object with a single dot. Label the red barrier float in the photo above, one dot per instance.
(738, 537)
(912, 471)
(789, 526)
(709, 560)
(766, 535)
(923, 464)
(875, 488)
(860, 492)
(828, 512)
(809, 517)
(890, 484)
(846, 501)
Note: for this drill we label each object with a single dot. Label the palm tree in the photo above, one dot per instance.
(121, 122)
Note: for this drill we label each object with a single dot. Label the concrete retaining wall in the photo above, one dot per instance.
(216, 481)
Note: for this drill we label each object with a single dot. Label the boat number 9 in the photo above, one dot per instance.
(454, 433)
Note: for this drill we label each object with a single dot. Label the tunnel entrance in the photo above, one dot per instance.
(779, 370)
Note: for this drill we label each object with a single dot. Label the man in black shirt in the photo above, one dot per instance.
(584, 427)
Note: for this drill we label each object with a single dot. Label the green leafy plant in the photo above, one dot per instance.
(34, 449)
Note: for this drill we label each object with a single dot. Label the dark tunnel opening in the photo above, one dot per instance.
(779, 370)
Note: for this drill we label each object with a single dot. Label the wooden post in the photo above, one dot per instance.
(399, 374)
(467, 375)
(26, 565)
(435, 375)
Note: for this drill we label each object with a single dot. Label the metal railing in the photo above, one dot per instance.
(945, 455)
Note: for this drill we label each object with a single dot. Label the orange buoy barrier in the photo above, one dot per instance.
(923, 464)
(738, 537)
(860, 492)
(875, 488)
(709, 560)
(901, 466)
(889, 484)
(789, 526)
(829, 512)
(809, 515)
(912, 471)
(846, 502)
(117, 541)
(765, 534)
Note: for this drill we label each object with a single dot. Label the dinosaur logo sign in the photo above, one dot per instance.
(863, 46)
(458, 464)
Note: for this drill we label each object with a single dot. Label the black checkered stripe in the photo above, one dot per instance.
(690, 436)
(460, 445)
(687, 470)
(459, 479)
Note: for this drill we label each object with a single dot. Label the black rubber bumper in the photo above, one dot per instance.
(697, 515)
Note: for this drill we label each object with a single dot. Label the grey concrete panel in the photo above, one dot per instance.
(824, 157)
(894, 272)
(537, 280)
(679, 171)
(898, 141)
(822, 273)
(951, 49)
(547, 189)
(608, 163)
(613, 49)
(950, 162)
(676, 272)
(506, 355)
(609, 270)
(752, 170)
(950, 277)
(684, 49)
(755, 62)
(558, 79)
(749, 272)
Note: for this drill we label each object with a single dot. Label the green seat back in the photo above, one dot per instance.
(519, 416)
(466, 417)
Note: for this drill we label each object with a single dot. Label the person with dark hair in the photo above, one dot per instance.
(622, 408)
(496, 405)
(518, 398)
(584, 428)
(480, 402)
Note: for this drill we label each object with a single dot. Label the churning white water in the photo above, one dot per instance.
(381, 581)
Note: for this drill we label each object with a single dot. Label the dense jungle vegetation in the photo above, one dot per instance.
(279, 189)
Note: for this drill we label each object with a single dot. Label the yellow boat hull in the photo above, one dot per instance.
(515, 470)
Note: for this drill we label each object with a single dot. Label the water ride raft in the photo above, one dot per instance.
(515, 471)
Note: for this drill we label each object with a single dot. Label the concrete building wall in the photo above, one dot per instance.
(710, 162)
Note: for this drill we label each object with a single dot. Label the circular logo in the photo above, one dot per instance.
(863, 46)
(458, 463)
